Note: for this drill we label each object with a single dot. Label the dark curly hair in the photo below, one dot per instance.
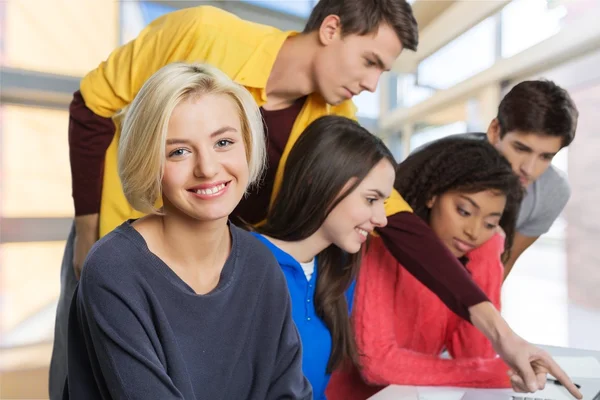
(461, 164)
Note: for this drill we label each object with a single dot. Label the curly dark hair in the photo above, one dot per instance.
(461, 164)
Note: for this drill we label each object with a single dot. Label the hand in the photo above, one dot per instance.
(530, 366)
(86, 234)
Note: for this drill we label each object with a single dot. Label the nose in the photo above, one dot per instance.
(472, 229)
(207, 166)
(371, 80)
(528, 166)
(379, 219)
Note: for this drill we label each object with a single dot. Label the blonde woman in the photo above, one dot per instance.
(181, 304)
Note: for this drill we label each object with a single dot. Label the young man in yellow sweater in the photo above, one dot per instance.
(295, 78)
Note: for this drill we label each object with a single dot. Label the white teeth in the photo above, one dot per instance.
(362, 232)
(212, 190)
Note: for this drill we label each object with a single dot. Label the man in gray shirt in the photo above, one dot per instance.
(535, 120)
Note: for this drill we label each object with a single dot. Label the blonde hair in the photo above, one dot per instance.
(146, 120)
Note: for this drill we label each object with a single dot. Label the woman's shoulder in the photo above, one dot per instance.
(114, 256)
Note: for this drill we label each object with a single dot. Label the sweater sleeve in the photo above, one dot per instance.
(120, 334)
(416, 247)
(385, 362)
(89, 138)
(486, 269)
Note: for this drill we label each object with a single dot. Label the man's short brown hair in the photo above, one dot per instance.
(362, 17)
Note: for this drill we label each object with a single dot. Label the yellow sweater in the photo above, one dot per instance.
(244, 50)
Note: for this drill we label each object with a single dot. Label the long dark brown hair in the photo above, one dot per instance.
(331, 152)
(462, 164)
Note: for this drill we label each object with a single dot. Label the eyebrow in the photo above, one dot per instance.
(216, 133)
(379, 193)
(470, 200)
(527, 148)
(378, 61)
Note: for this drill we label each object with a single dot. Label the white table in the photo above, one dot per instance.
(397, 392)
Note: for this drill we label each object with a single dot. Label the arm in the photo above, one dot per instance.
(121, 340)
(385, 362)
(414, 245)
(552, 197)
(520, 244)
(486, 269)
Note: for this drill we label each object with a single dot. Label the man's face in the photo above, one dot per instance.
(346, 66)
(529, 153)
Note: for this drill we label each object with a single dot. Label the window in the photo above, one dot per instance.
(30, 287)
(62, 37)
(528, 22)
(409, 93)
(36, 177)
(457, 61)
(300, 8)
(135, 15)
(419, 138)
(367, 104)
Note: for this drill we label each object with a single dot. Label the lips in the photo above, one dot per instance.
(209, 190)
(462, 246)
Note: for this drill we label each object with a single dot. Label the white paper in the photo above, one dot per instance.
(580, 367)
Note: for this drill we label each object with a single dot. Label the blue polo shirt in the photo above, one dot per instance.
(315, 336)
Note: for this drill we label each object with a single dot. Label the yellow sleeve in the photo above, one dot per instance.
(395, 204)
(117, 80)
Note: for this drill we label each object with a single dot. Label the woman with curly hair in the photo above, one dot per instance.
(467, 193)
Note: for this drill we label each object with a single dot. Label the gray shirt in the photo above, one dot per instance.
(137, 331)
(543, 202)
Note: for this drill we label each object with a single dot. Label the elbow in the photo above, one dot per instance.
(372, 368)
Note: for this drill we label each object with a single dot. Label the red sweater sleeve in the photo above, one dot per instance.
(89, 138)
(385, 362)
(416, 247)
(487, 270)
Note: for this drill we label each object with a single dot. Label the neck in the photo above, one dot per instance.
(194, 244)
(303, 250)
(292, 75)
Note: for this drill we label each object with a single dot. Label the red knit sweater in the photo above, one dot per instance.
(401, 328)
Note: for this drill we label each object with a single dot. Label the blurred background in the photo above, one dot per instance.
(470, 54)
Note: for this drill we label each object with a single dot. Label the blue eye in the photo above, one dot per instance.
(178, 152)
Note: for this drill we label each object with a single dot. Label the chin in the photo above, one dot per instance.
(352, 248)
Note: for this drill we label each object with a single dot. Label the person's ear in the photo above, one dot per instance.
(493, 132)
(330, 30)
(431, 202)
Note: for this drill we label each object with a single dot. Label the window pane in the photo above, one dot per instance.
(528, 22)
(367, 104)
(36, 178)
(426, 135)
(457, 61)
(409, 93)
(301, 8)
(60, 36)
(136, 15)
(30, 287)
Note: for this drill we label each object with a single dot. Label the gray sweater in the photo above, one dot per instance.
(137, 331)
